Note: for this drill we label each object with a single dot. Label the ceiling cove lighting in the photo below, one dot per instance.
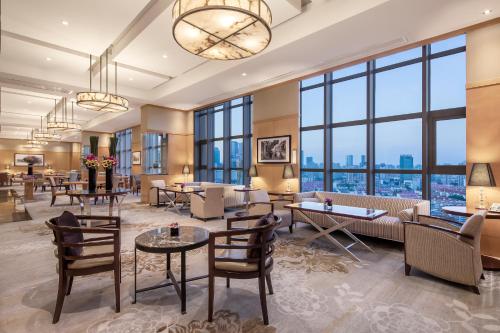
(222, 30)
(45, 134)
(102, 101)
(63, 124)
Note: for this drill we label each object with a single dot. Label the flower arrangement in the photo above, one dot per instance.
(174, 229)
(31, 159)
(328, 202)
(91, 161)
(182, 186)
(108, 162)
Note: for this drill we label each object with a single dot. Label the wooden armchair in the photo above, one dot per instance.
(245, 260)
(435, 246)
(261, 204)
(56, 191)
(98, 254)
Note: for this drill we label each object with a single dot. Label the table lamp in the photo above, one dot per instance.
(481, 175)
(252, 172)
(288, 174)
(185, 172)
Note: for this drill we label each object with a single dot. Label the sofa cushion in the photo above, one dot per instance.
(406, 215)
(160, 183)
(67, 219)
(310, 200)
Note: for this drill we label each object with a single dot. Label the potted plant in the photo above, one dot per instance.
(108, 163)
(91, 163)
(31, 160)
(174, 229)
(328, 203)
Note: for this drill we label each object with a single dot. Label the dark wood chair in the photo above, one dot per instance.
(234, 263)
(56, 191)
(99, 254)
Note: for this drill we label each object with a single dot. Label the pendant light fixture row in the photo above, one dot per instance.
(45, 134)
(99, 100)
(222, 30)
(62, 123)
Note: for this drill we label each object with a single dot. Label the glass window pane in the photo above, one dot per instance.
(398, 145)
(349, 147)
(346, 182)
(218, 124)
(312, 106)
(236, 153)
(448, 82)
(349, 100)
(398, 185)
(202, 126)
(237, 177)
(398, 91)
(237, 101)
(448, 44)
(218, 107)
(450, 142)
(446, 190)
(311, 181)
(218, 156)
(203, 155)
(218, 176)
(351, 70)
(313, 80)
(237, 121)
(312, 149)
(399, 57)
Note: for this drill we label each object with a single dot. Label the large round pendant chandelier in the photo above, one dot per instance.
(44, 134)
(99, 100)
(222, 30)
(63, 124)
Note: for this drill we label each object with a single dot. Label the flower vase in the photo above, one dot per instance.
(30, 169)
(92, 179)
(109, 179)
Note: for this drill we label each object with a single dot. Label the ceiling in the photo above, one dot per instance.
(46, 46)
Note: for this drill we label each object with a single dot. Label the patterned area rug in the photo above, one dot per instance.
(316, 289)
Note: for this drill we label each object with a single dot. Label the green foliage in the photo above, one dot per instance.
(113, 143)
(94, 144)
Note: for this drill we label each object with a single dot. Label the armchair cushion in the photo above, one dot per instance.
(255, 238)
(90, 250)
(238, 266)
(67, 219)
(259, 196)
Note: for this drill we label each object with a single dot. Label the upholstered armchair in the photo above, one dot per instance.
(209, 205)
(435, 246)
(261, 204)
(158, 197)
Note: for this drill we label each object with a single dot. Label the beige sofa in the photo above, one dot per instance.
(389, 226)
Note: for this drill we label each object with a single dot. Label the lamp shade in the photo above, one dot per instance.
(252, 172)
(185, 170)
(288, 172)
(481, 175)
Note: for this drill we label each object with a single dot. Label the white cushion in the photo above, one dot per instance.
(259, 196)
(310, 200)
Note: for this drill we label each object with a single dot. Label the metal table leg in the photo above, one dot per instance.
(135, 275)
(183, 282)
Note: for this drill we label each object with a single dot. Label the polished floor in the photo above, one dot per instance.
(11, 207)
(316, 288)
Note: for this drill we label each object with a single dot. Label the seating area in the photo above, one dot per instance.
(250, 166)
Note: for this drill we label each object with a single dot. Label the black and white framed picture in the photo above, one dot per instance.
(274, 149)
(136, 158)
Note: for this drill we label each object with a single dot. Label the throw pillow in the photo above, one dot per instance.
(255, 237)
(67, 219)
(472, 227)
(406, 215)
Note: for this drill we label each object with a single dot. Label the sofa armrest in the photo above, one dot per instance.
(421, 208)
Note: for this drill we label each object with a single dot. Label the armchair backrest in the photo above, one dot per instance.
(214, 195)
(73, 176)
(259, 196)
(160, 183)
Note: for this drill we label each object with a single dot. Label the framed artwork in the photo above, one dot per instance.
(136, 158)
(274, 149)
(23, 159)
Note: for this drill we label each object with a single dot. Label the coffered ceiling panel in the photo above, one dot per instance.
(92, 25)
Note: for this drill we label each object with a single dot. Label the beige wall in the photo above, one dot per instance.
(276, 112)
(56, 154)
(179, 127)
(137, 146)
(483, 120)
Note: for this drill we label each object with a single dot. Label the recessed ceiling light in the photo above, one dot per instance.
(48, 58)
(244, 74)
(487, 12)
(64, 22)
(131, 79)
(164, 56)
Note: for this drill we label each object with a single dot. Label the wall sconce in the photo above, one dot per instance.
(252, 172)
(294, 156)
(185, 172)
(288, 174)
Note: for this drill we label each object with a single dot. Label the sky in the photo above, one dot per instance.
(397, 91)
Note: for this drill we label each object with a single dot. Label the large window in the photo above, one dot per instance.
(223, 137)
(393, 126)
(155, 153)
(124, 151)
